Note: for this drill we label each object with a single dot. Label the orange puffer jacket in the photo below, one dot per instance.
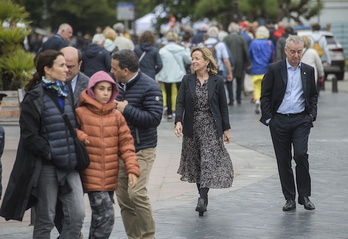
(109, 138)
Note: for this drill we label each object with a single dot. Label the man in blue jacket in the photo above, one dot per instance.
(140, 101)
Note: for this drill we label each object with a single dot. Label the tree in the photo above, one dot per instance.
(16, 65)
(226, 11)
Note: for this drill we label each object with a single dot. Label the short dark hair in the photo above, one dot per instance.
(127, 59)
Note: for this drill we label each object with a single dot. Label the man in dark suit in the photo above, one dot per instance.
(77, 82)
(289, 106)
(77, 79)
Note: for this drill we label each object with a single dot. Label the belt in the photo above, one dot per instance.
(292, 114)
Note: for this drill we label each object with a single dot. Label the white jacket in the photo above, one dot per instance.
(174, 58)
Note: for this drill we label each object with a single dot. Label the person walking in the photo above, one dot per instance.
(60, 40)
(201, 117)
(222, 58)
(107, 137)
(140, 102)
(2, 144)
(261, 53)
(77, 80)
(150, 62)
(174, 57)
(239, 49)
(95, 57)
(311, 57)
(44, 169)
(289, 107)
(317, 37)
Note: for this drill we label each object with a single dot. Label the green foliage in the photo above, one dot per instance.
(12, 36)
(12, 13)
(16, 65)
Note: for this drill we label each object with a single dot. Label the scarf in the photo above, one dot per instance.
(57, 86)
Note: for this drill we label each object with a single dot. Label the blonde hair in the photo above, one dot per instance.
(110, 33)
(172, 36)
(306, 41)
(207, 55)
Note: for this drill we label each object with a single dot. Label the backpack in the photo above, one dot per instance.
(212, 49)
(317, 47)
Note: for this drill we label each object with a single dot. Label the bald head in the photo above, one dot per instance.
(73, 61)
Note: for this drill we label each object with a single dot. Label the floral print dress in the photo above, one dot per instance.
(204, 158)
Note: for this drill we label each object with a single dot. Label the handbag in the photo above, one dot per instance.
(82, 156)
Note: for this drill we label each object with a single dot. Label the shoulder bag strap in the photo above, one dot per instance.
(142, 56)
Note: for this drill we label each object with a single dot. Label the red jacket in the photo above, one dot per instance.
(109, 138)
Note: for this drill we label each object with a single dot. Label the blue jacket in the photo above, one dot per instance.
(34, 149)
(144, 110)
(261, 53)
(95, 58)
(55, 42)
(151, 63)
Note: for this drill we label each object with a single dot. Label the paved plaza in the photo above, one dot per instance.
(252, 208)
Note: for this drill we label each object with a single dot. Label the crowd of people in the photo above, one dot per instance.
(115, 90)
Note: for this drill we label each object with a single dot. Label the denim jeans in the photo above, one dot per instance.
(72, 204)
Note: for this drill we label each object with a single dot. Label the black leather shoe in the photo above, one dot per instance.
(289, 205)
(308, 205)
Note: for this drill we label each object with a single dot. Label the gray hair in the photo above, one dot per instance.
(119, 27)
(233, 28)
(98, 38)
(213, 32)
(295, 39)
(262, 31)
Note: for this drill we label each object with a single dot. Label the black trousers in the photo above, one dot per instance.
(291, 133)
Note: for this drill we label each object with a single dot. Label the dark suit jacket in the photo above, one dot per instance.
(274, 85)
(217, 102)
(81, 84)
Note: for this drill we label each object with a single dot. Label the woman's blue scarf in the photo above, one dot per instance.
(57, 86)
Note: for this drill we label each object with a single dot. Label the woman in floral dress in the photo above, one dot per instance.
(203, 121)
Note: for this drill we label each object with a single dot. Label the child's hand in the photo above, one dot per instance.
(132, 180)
(121, 105)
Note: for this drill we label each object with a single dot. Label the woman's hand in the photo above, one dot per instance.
(178, 129)
(132, 180)
(227, 137)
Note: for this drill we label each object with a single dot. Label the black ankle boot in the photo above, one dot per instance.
(201, 206)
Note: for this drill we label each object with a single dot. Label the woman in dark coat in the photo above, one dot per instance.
(44, 170)
(150, 61)
(202, 118)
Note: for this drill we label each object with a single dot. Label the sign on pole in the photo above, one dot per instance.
(125, 11)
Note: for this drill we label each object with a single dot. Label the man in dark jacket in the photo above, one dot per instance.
(95, 57)
(2, 144)
(289, 106)
(140, 101)
(58, 41)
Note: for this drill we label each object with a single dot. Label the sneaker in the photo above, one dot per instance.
(170, 117)
(257, 107)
